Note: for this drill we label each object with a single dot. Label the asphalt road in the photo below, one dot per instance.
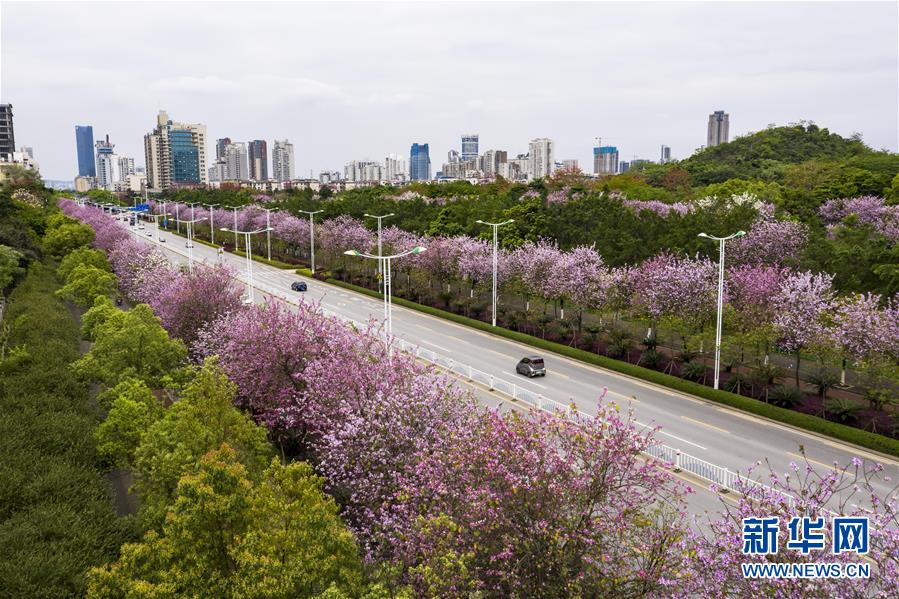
(717, 434)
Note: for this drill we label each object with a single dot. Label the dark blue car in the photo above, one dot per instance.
(298, 285)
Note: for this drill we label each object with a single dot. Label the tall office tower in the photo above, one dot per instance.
(175, 154)
(541, 152)
(666, 155)
(84, 144)
(258, 151)
(395, 168)
(469, 146)
(236, 168)
(126, 167)
(7, 133)
(719, 127)
(107, 165)
(220, 145)
(419, 163)
(605, 160)
(283, 168)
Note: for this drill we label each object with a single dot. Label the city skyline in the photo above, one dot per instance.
(338, 110)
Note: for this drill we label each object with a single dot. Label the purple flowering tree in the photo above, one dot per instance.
(800, 305)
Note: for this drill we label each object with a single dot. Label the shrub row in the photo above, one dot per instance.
(804, 421)
(56, 513)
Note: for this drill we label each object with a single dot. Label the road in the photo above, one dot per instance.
(708, 431)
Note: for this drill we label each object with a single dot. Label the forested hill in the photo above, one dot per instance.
(767, 154)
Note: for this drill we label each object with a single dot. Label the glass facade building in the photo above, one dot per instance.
(84, 144)
(258, 151)
(185, 157)
(419, 163)
(469, 146)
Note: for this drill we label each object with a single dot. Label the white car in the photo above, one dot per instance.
(149, 233)
(162, 240)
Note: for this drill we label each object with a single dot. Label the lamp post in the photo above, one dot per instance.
(251, 297)
(156, 222)
(388, 318)
(495, 226)
(380, 265)
(177, 217)
(190, 241)
(720, 241)
(311, 236)
(165, 221)
(268, 227)
(235, 228)
(211, 222)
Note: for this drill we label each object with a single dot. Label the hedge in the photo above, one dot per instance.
(806, 422)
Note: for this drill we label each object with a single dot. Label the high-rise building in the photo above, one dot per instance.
(419, 163)
(541, 152)
(395, 170)
(605, 160)
(570, 165)
(666, 155)
(175, 154)
(283, 168)
(126, 167)
(7, 133)
(258, 152)
(469, 146)
(236, 166)
(719, 128)
(220, 145)
(624, 166)
(84, 144)
(107, 164)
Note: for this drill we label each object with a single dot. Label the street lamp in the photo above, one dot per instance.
(311, 236)
(250, 295)
(235, 227)
(720, 241)
(380, 266)
(388, 319)
(268, 227)
(495, 249)
(190, 240)
(211, 222)
(156, 222)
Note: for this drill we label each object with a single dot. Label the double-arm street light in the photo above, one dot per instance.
(311, 236)
(251, 297)
(380, 265)
(495, 249)
(268, 226)
(211, 222)
(720, 241)
(388, 319)
(190, 240)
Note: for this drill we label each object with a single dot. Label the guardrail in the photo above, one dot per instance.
(668, 457)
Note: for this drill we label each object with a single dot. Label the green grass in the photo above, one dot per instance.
(804, 421)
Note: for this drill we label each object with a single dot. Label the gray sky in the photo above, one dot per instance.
(357, 81)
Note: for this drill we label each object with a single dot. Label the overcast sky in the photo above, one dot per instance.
(358, 81)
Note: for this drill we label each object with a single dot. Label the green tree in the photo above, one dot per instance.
(230, 535)
(9, 267)
(85, 283)
(133, 411)
(99, 313)
(131, 344)
(61, 240)
(201, 420)
(83, 255)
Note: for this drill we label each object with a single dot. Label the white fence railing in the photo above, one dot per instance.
(668, 457)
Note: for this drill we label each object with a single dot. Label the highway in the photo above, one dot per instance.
(708, 431)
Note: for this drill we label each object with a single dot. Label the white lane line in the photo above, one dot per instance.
(701, 423)
(435, 345)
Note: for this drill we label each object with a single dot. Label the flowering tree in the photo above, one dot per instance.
(537, 505)
(770, 242)
(536, 266)
(750, 291)
(584, 280)
(868, 210)
(801, 302)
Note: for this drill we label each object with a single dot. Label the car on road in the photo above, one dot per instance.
(162, 240)
(298, 286)
(149, 233)
(531, 366)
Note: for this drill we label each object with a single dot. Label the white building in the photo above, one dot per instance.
(542, 158)
(126, 167)
(237, 166)
(107, 165)
(364, 171)
(396, 169)
(283, 168)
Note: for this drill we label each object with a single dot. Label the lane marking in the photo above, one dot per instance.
(434, 345)
(700, 422)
